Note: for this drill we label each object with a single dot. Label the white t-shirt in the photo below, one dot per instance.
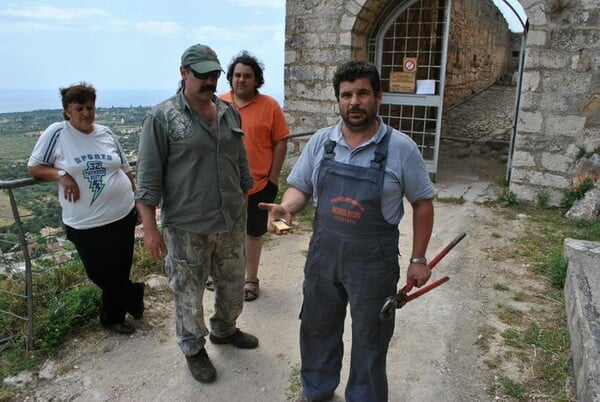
(97, 163)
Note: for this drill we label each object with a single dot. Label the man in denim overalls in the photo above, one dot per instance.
(357, 173)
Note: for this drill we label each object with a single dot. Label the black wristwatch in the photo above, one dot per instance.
(420, 261)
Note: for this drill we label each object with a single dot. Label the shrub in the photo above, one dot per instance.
(577, 193)
(72, 308)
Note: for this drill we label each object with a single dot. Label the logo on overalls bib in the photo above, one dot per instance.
(346, 210)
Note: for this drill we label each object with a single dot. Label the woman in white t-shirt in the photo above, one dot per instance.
(96, 195)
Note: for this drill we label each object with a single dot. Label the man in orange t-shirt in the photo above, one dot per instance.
(265, 138)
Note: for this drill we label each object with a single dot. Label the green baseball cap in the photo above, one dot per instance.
(200, 58)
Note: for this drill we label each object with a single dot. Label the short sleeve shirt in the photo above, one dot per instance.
(405, 171)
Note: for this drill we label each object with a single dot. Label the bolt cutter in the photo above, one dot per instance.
(402, 297)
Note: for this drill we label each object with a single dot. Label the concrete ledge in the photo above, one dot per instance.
(582, 303)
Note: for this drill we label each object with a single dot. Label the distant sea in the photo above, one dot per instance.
(25, 100)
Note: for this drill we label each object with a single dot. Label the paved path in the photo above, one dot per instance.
(487, 115)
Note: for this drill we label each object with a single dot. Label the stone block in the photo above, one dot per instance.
(347, 22)
(573, 39)
(345, 39)
(307, 73)
(537, 15)
(354, 7)
(549, 180)
(589, 4)
(530, 100)
(581, 62)
(570, 82)
(290, 56)
(520, 175)
(536, 58)
(582, 301)
(537, 38)
(591, 140)
(555, 163)
(530, 122)
(530, 81)
(558, 103)
(523, 159)
(571, 126)
(555, 196)
(315, 92)
(523, 192)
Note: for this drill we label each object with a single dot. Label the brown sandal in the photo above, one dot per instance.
(251, 290)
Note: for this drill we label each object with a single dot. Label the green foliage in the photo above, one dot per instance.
(548, 340)
(542, 199)
(73, 308)
(294, 389)
(512, 388)
(507, 198)
(64, 299)
(577, 193)
(512, 337)
(554, 267)
(14, 358)
(54, 318)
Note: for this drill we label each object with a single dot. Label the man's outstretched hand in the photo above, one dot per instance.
(276, 213)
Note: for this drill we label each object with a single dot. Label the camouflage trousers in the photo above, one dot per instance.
(190, 259)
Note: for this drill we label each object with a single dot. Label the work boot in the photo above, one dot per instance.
(201, 367)
(238, 339)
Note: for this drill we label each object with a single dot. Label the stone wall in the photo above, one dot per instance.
(559, 114)
(479, 49)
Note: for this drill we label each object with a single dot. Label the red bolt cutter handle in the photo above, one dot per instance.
(402, 297)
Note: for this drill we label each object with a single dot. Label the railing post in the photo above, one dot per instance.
(28, 274)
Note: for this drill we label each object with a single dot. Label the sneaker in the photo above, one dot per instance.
(238, 339)
(123, 328)
(201, 367)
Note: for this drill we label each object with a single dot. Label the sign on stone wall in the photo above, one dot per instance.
(405, 81)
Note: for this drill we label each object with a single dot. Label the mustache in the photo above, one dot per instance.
(208, 87)
(356, 110)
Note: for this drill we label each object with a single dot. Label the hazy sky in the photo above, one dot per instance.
(134, 44)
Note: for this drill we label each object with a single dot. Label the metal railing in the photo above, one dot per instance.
(9, 186)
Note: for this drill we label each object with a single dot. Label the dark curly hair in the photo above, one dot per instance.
(247, 59)
(79, 93)
(353, 70)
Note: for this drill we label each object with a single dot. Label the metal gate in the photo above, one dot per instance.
(416, 29)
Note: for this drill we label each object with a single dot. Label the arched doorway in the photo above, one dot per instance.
(417, 32)
(410, 52)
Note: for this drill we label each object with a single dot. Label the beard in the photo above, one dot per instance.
(366, 119)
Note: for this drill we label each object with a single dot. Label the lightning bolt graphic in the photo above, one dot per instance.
(94, 174)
